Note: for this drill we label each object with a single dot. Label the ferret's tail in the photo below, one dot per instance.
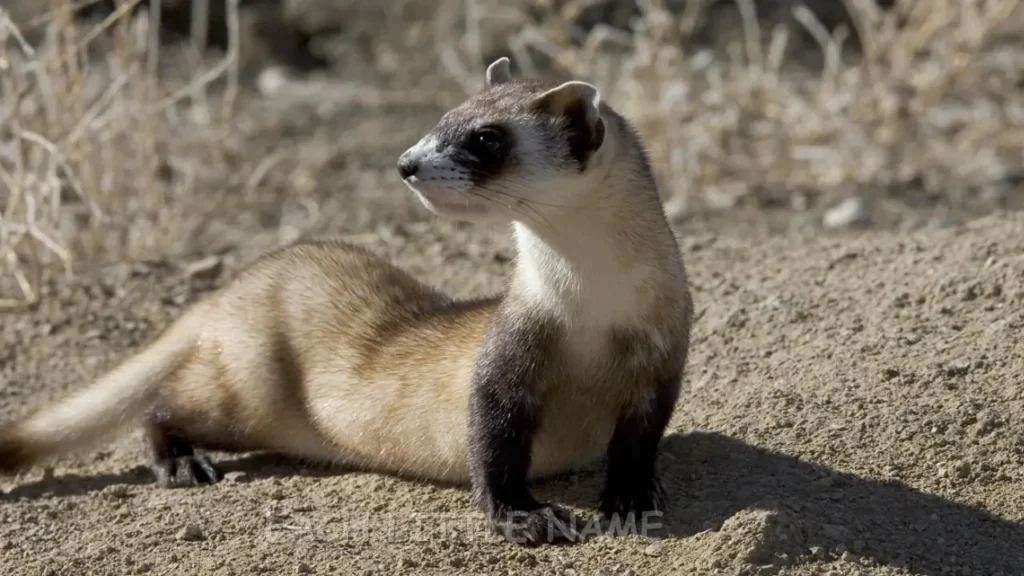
(98, 411)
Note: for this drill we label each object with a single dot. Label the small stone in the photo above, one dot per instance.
(715, 564)
(527, 559)
(960, 368)
(654, 550)
(963, 469)
(629, 572)
(277, 494)
(407, 563)
(848, 213)
(118, 491)
(303, 568)
(569, 572)
(457, 562)
(191, 533)
(235, 476)
(890, 373)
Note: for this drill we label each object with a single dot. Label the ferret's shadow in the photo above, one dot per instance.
(708, 479)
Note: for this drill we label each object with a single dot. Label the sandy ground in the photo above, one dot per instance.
(854, 406)
(854, 401)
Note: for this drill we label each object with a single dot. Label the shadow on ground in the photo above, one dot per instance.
(709, 478)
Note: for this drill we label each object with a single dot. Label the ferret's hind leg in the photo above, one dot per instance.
(174, 460)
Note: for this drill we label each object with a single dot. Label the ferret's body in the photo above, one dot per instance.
(324, 351)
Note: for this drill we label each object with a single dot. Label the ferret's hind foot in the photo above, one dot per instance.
(185, 471)
(175, 463)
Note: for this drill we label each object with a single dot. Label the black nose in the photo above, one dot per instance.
(407, 166)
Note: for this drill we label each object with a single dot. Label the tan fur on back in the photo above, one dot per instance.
(329, 352)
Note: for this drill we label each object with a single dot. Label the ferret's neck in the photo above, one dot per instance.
(602, 266)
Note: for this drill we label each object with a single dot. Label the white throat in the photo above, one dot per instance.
(598, 268)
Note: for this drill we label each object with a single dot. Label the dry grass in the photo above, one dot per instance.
(931, 103)
(84, 121)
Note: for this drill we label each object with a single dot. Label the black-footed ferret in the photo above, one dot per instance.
(324, 351)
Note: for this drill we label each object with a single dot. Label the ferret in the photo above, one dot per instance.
(324, 351)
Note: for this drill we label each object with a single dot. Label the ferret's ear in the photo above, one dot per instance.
(498, 72)
(580, 104)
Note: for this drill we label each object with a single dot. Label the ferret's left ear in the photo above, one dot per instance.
(498, 72)
(580, 104)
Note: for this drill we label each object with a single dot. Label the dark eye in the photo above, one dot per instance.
(485, 141)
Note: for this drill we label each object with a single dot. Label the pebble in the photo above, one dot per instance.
(118, 491)
(303, 568)
(715, 564)
(817, 552)
(963, 469)
(848, 213)
(527, 559)
(191, 533)
(235, 476)
(654, 550)
(407, 563)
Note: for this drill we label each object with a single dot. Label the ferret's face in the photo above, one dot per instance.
(513, 152)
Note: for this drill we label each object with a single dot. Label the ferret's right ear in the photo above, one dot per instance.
(580, 104)
(498, 72)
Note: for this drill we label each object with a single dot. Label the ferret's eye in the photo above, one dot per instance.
(485, 141)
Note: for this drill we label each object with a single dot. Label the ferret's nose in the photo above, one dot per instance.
(407, 165)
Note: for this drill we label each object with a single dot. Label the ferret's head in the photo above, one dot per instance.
(512, 151)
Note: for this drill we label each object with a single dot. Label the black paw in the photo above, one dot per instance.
(183, 471)
(548, 524)
(636, 498)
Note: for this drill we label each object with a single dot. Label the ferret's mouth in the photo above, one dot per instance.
(446, 200)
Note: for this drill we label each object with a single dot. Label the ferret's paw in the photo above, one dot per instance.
(185, 471)
(632, 500)
(548, 524)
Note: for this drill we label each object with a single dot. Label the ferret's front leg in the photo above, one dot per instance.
(631, 483)
(505, 411)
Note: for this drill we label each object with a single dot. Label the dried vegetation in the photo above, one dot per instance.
(920, 99)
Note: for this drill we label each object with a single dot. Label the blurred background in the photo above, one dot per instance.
(138, 129)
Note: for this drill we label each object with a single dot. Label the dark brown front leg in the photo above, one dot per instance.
(631, 484)
(505, 411)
